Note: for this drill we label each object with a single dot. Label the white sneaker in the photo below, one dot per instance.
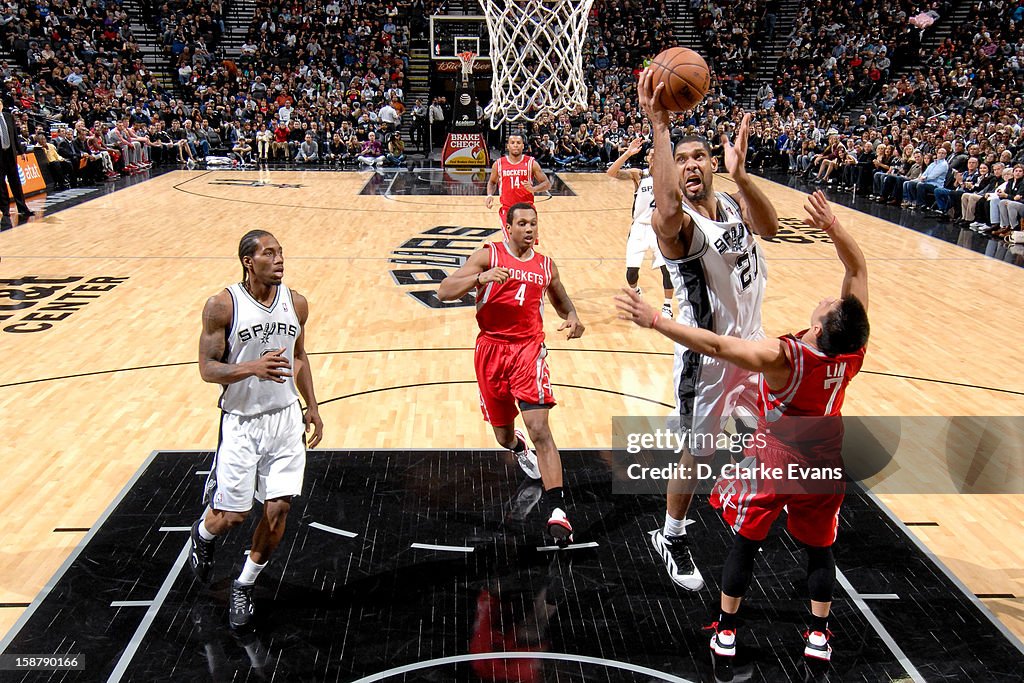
(816, 645)
(666, 310)
(723, 643)
(639, 292)
(527, 459)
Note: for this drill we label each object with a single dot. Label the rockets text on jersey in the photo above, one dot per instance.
(513, 310)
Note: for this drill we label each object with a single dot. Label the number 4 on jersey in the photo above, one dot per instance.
(521, 294)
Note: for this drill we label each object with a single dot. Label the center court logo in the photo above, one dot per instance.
(795, 231)
(432, 256)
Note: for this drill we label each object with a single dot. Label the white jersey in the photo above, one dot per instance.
(720, 283)
(643, 200)
(256, 330)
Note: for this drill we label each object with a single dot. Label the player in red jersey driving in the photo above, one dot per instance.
(799, 435)
(517, 177)
(511, 280)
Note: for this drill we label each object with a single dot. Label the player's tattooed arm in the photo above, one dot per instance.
(212, 343)
(564, 307)
(472, 274)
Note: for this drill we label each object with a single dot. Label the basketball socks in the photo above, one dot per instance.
(249, 572)
(204, 533)
(554, 498)
(668, 303)
(819, 624)
(727, 622)
(673, 526)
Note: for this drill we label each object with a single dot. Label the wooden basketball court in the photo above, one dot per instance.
(93, 385)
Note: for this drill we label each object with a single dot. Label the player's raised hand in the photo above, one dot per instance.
(632, 307)
(819, 212)
(498, 275)
(635, 145)
(736, 149)
(312, 421)
(575, 327)
(272, 365)
(648, 95)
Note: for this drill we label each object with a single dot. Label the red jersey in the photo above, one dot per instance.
(512, 177)
(513, 310)
(816, 389)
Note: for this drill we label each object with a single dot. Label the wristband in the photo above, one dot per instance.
(478, 279)
(830, 225)
(655, 319)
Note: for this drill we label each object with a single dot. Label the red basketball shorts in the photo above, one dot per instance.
(751, 506)
(507, 373)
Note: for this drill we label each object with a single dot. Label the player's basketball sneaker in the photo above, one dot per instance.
(666, 310)
(527, 459)
(675, 553)
(816, 645)
(559, 527)
(200, 560)
(723, 643)
(240, 606)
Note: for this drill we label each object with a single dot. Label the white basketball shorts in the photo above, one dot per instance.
(641, 240)
(259, 457)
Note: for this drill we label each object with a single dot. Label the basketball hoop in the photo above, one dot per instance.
(536, 56)
(467, 58)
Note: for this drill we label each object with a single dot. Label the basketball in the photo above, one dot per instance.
(686, 77)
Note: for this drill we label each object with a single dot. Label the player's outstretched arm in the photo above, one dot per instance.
(766, 355)
(819, 215)
(304, 375)
(668, 219)
(216, 320)
(615, 170)
(563, 305)
(758, 212)
(472, 273)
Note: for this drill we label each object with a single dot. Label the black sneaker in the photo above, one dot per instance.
(200, 560)
(240, 609)
(675, 553)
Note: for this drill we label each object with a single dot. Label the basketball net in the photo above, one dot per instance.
(536, 56)
(467, 58)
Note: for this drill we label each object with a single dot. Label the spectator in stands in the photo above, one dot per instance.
(968, 202)
(59, 167)
(309, 151)
(917, 193)
(395, 150)
(371, 153)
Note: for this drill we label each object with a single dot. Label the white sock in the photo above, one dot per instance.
(673, 526)
(250, 571)
(205, 533)
(668, 302)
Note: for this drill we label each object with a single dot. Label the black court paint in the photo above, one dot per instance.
(331, 607)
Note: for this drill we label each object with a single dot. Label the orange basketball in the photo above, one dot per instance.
(686, 77)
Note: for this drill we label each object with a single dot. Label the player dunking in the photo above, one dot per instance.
(511, 279)
(252, 345)
(803, 376)
(707, 239)
(518, 177)
(641, 235)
